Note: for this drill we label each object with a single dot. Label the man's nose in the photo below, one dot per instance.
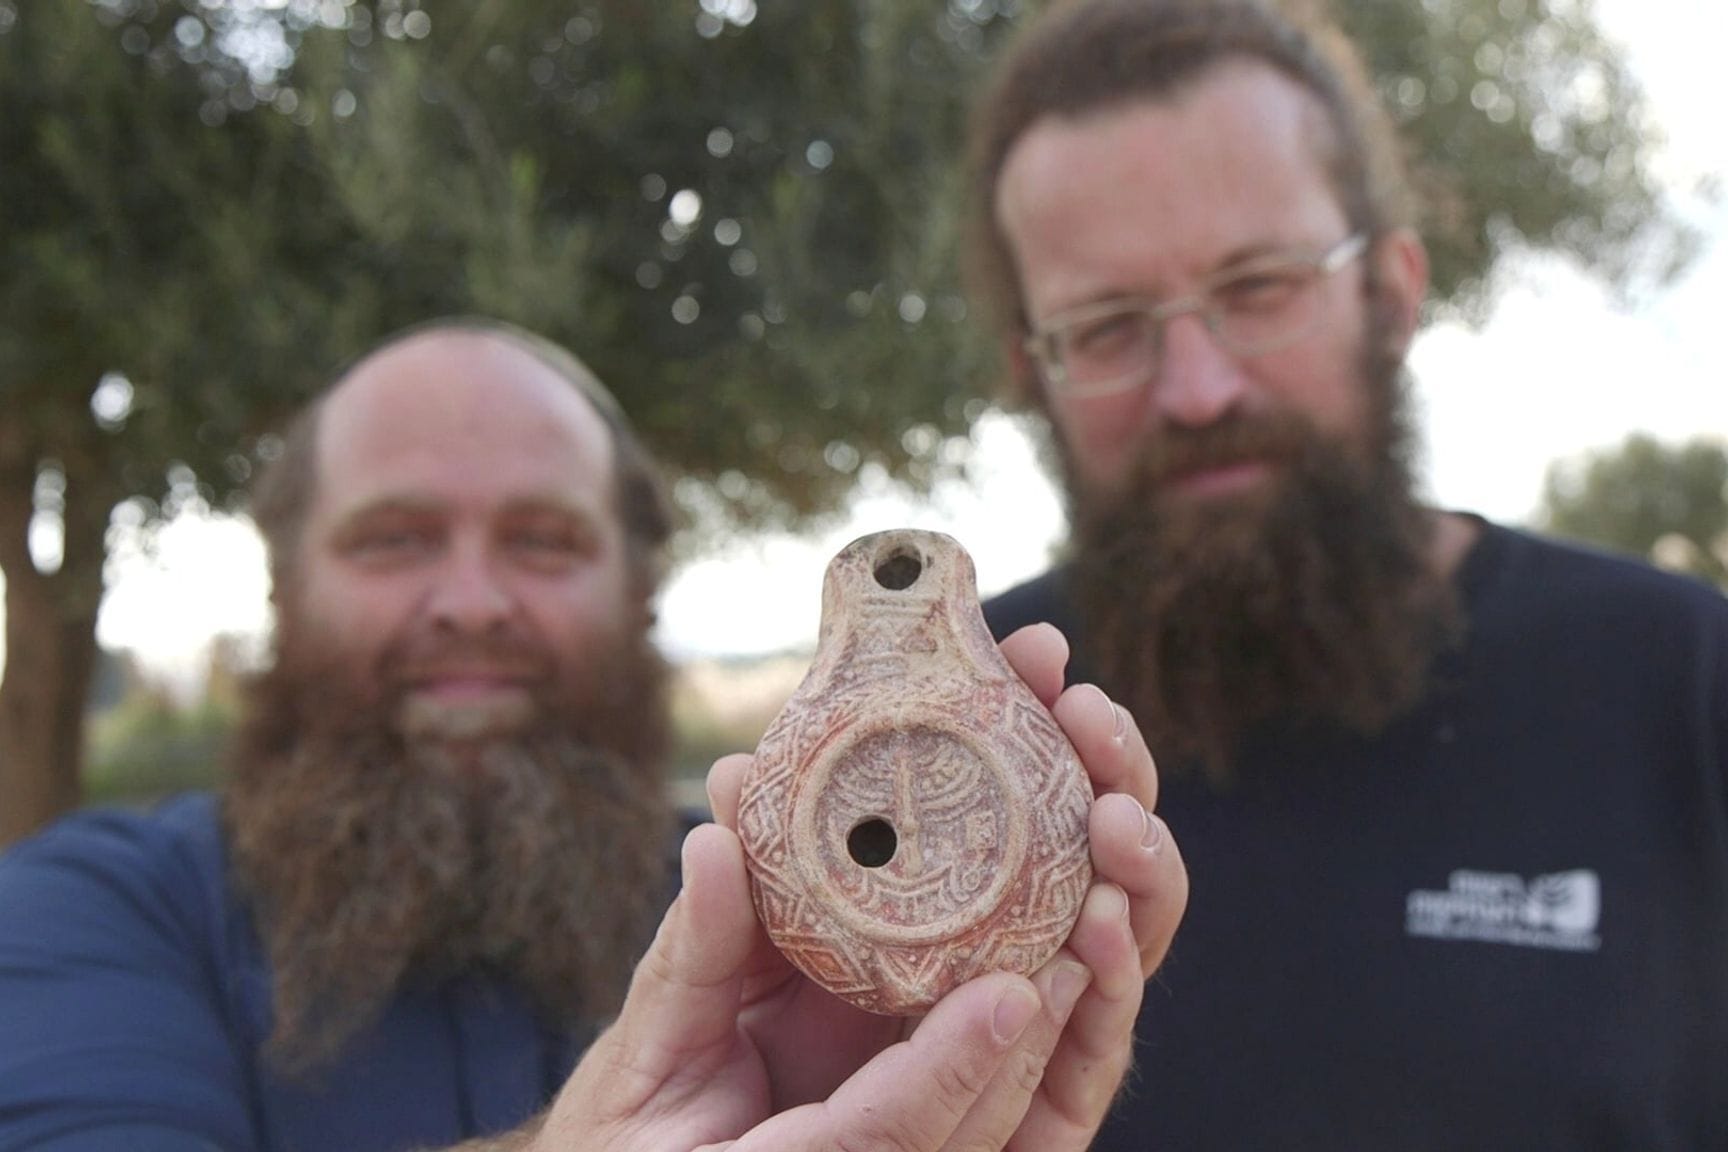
(468, 594)
(1199, 381)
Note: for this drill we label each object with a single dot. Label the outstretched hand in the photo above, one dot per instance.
(723, 1043)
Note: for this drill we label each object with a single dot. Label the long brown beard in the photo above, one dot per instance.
(1313, 604)
(376, 863)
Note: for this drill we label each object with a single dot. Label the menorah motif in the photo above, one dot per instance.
(945, 806)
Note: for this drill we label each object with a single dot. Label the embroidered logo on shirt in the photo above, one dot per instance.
(1560, 910)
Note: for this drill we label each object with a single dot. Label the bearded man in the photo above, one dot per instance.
(465, 712)
(443, 841)
(1454, 795)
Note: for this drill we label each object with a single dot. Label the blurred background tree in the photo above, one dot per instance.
(743, 217)
(1666, 503)
(163, 265)
(1524, 130)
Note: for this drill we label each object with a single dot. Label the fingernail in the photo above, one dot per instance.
(1109, 902)
(1014, 1011)
(1118, 716)
(1152, 836)
(1066, 984)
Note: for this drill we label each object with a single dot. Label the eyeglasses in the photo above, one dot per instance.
(1251, 309)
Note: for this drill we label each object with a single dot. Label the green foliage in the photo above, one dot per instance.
(1665, 502)
(1524, 129)
(155, 232)
(744, 225)
(148, 747)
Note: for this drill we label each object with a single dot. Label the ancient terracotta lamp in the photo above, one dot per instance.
(914, 817)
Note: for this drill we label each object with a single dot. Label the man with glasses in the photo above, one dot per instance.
(1455, 799)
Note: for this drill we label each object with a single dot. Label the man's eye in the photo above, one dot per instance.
(548, 547)
(543, 541)
(389, 542)
(1106, 337)
(1260, 291)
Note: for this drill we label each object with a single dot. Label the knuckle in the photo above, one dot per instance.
(1024, 1071)
(957, 1085)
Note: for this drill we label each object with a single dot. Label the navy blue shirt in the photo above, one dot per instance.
(134, 998)
(1503, 924)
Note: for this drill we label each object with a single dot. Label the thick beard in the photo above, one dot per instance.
(1314, 604)
(376, 864)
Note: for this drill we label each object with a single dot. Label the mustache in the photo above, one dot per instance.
(427, 653)
(1274, 437)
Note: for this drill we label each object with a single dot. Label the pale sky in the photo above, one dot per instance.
(1559, 369)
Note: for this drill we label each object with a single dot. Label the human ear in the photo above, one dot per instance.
(1401, 273)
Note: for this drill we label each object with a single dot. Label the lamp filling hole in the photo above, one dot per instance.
(871, 843)
(899, 571)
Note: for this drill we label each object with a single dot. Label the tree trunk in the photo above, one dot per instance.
(50, 652)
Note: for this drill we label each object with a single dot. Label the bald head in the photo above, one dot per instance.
(452, 416)
(450, 384)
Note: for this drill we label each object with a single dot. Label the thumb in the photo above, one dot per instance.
(681, 1016)
(685, 991)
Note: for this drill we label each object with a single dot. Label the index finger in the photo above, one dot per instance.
(1109, 744)
(725, 785)
(1038, 653)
